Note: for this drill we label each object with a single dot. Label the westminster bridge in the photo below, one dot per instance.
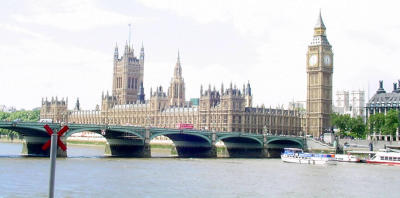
(131, 141)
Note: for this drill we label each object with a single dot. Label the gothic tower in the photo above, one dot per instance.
(319, 81)
(176, 91)
(127, 75)
(248, 96)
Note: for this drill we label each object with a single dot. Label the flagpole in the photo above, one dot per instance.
(53, 156)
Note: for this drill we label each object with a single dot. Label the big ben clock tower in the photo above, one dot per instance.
(319, 81)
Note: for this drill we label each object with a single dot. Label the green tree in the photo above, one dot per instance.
(391, 122)
(370, 123)
(349, 126)
(376, 122)
(341, 122)
(357, 127)
(26, 116)
(379, 122)
(4, 115)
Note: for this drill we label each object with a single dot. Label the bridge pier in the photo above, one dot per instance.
(32, 146)
(272, 153)
(245, 153)
(239, 147)
(127, 148)
(193, 146)
(197, 152)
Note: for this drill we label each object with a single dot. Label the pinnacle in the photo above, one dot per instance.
(320, 22)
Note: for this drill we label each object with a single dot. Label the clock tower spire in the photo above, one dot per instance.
(319, 81)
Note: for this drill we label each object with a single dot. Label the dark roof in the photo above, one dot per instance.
(385, 98)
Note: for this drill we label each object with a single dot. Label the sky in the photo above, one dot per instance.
(65, 48)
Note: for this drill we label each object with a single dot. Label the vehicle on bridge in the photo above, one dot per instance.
(184, 126)
(46, 120)
(296, 155)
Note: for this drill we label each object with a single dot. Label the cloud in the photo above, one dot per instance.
(363, 36)
(34, 68)
(261, 41)
(74, 15)
(20, 30)
(250, 17)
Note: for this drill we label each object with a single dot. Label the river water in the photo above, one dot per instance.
(86, 173)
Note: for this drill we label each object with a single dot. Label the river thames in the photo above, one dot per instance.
(86, 173)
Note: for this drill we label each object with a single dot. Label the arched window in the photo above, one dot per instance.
(136, 84)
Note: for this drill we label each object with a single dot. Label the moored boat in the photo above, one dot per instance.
(385, 157)
(347, 158)
(296, 155)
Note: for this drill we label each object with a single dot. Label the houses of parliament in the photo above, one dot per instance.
(224, 109)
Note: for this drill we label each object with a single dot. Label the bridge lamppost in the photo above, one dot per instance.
(147, 130)
(265, 133)
(265, 129)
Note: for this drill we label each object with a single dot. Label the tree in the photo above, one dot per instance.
(376, 122)
(357, 127)
(371, 123)
(349, 126)
(342, 122)
(4, 116)
(391, 122)
(26, 116)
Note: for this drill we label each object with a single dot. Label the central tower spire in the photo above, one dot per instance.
(176, 91)
(178, 68)
(128, 74)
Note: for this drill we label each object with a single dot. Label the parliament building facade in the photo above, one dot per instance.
(223, 109)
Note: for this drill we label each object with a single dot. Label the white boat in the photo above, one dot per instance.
(347, 158)
(385, 157)
(296, 155)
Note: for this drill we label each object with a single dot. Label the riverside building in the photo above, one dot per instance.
(382, 102)
(224, 109)
(227, 109)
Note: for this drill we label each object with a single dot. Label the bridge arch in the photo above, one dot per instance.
(187, 143)
(275, 146)
(34, 136)
(121, 142)
(226, 137)
(169, 132)
(27, 130)
(288, 142)
(242, 146)
(99, 131)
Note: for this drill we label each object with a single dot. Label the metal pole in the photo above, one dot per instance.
(53, 156)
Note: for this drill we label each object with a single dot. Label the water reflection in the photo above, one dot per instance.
(88, 173)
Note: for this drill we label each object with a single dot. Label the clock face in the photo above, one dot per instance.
(312, 61)
(327, 60)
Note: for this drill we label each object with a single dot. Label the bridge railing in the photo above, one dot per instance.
(154, 129)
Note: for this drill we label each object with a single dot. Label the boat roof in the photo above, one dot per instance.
(293, 149)
(389, 154)
(361, 152)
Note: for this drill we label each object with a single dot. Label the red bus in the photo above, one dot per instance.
(184, 126)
